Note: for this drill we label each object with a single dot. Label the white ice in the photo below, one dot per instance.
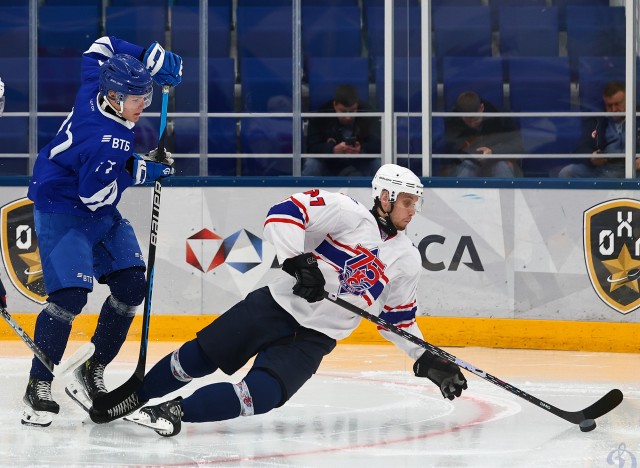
(362, 409)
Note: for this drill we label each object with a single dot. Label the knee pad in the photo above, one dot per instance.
(189, 362)
(65, 304)
(128, 286)
(258, 393)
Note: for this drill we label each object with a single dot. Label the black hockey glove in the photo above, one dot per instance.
(445, 374)
(309, 280)
(3, 296)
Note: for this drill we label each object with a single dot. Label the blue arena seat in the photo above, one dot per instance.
(67, 30)
(480, 74)
(497, 5)
(48, 128)
(529, 31)
(14, 31)
(14, 166)
(221, 79)
(462, 31)
(407, 92)
(266, 135)
(265, 31)
(15, 75)
(563, 4)
(221, 136)
(539, 84)
(593, 74)
(407, 26)
(58, 83)
(266, 84)
(331, 31)
(140, 25)
(327, 73)
(185, 31)
(14, 134)
(594, 31)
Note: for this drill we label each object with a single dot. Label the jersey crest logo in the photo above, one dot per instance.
(612, 252)
(361, 272)
(20, 252)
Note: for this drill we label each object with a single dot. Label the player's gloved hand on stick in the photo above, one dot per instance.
(145, 167)
(309, 280)
(165, 67)
(445, 374)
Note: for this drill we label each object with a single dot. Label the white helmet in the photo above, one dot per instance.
(396, 179)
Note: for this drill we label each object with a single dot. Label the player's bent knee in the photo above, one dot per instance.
(128, 286)
(258, 393)
(65, 304)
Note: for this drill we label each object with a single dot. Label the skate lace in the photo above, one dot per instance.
(43, 390)
(98, 377)
(127, 406)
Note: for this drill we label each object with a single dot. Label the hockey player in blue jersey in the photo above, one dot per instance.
(78, 180)
(325, 241)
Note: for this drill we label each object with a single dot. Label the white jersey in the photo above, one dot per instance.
(357, 264)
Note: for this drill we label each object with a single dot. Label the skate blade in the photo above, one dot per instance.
(78, 395)
(161, 425)
(31, 417)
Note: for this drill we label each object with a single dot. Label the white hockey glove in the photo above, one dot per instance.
(147, 168)
(445, 374)
(165, 67)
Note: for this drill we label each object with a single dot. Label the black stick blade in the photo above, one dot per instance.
(110, 400)
(603, 405)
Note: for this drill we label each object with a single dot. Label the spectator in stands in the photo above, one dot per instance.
(482, 136)
(343, 135)
(603, 135)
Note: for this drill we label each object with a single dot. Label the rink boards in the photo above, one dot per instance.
(504, 267)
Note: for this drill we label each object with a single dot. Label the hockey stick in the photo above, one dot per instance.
(113, 398)
(77, 358)
(597, 409)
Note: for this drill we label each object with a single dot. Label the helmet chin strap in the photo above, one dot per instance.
(384, 221)
(106, 102)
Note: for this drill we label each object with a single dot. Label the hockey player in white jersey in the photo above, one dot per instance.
(78, 179)
(325, 241)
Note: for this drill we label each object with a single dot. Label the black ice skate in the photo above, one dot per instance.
(88, 383)
(39, 406)
(165, 418)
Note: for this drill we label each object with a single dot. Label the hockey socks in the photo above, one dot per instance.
(113, 325)
(51, 335)
(175, 370)
(257, 394)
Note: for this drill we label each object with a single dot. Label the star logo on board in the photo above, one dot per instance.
(612, 252)
(20, 251)
(206, 250)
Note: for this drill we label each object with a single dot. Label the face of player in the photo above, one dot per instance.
(133, 107)
(404, 209)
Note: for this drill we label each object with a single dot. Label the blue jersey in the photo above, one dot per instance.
(82, 170)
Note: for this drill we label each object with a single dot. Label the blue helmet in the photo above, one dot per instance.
(125, 75)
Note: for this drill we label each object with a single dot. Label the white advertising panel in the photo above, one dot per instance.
(503, 253)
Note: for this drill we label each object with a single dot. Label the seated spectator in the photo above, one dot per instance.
(343, 135)
(482, 136)
(603, 135)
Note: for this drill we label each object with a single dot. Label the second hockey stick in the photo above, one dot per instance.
(113, 398)
(601, 407)
(77, 358)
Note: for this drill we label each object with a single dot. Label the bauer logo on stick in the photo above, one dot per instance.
(20, 252)
(612, 252)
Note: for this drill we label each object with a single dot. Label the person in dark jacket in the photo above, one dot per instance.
(603, 135)
(482, 136)
(343, 135)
